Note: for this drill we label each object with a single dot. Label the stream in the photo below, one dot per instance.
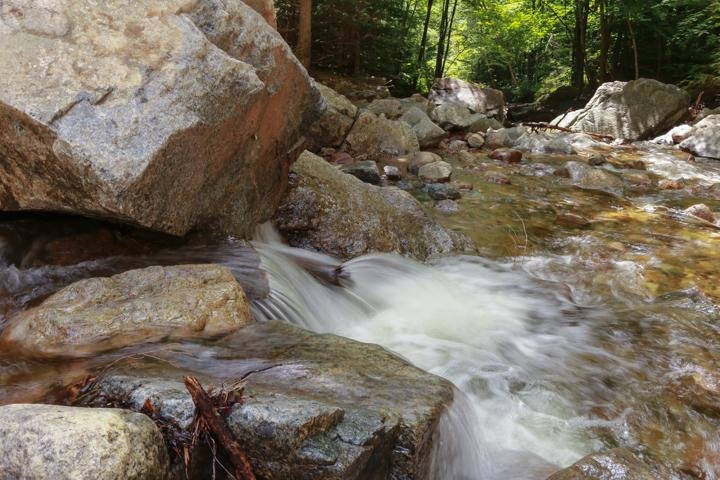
(562, 341)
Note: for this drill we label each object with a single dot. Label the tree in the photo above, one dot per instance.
(304, 46)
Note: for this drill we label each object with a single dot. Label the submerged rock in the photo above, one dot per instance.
(316, 406)
(590, 178)
(616, 464)
(337, 214)
(150, 304)
(376, 138)
(633, 110)
(156, 113)
(49, 442)
(335, 121)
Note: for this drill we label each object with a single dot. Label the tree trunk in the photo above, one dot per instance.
(605, 42)
(423, 43)
(441, 40)
(304, 47)
(578, 44)
(449, 35)
(633, 42)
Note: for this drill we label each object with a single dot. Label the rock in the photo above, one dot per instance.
(456, 116)
(544, 143)
(457, 145)
(427, 133)
(479, 100)
(571, 220)
(493, 176)
(507, 155)
(171, 115)
(597, 160)
(150, 304)
(504, 137)
(633, 110)
(675, 135)
(704, 140)
(447, 206)
(442, 191)
(317, 406)
(376, 138)
(339, 215)
(366, 171)
(417, 101)
(466, 157)
(422, 158)
(54, 442)
(478, 122)
(266, 8)
(476, 140)
(391, 108)
(616, 464)
(701, 211)
(638, 180)
(392, 173)
(435, 172)
(401, 163)
(666, 184)
(589, 178)
(334, 123)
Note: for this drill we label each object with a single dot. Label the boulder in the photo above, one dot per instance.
(171, 115)
(633, 110)
(427, 133)
(675, 135)
(337, 214)
(476, 140)
(616, 464)
(315, 406)
(589, 178)
(504, 137)
(334, 123)
(704, 139)
(435, 172)
(367, 171)
(266, 8)
(456, 116)
(49, 442)
(391, 108)
(149, 304)
(376, 138)
(478, 99)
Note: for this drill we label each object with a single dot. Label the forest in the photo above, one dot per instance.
(527, 48)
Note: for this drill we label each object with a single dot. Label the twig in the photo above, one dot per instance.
(546, 126)
(216, 424)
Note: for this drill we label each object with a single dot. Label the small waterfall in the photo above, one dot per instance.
(498, 335)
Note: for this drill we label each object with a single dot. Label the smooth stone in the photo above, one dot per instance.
(476, 140)
(435, 172)
(442, 191)
(701, 211)
(591, 178)
(506, 155)
(367, 171)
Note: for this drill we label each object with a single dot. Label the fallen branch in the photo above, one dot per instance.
(546, 126)
(215, 423)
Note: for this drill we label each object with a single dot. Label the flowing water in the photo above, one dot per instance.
(567, 345)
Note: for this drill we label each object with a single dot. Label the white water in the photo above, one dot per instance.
(504, 340)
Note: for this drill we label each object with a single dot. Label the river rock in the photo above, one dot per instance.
(441, 191)
(49, 442)
(704, 139)
(701, 211)
(476, 140)
(476, 98)
(675, 135)
(418, 159)
(170, 114)
(427, 133)
(334, 123)
(456, 116)
(337, 214)
(435, 172)
(589, 178)
(149, 304)
(366, 171)
(376, 138)
(507, 155)
(633, 110)
(392, 173)
(316, 406)
(447, 206)
(616, 464)
(390, 108)
(504, 137)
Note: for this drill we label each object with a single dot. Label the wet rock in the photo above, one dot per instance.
(666, 184)
(162, 126)
(442, 191)
(493, 176)
(337, 214)
(633, 110)
(392, 173)
(375, 138)
(137, 306)
(572, 220)
(616, 464)
(334, 123)
(638, 180)
(701, 211)
(54, 442)
(476, 140)
(590, 178)
(447, 206)
(366, 171)
(544, 142)
(477, 99)
(435, 172)
(676, 135)
(390, 108)
(317, 406)
(427, 133)
(422, 158)
(597, 160)
(704, 140)
(507, 155)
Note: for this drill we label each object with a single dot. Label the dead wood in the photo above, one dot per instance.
(546, 126)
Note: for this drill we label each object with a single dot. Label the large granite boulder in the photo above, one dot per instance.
(704, 138)
(335, 122)
(315, 406)
(379, 139)
(634, 110)
(336, 213)
(167, 114)
(48, 442)
(266, 8)
(488, 101)
(150, 304)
